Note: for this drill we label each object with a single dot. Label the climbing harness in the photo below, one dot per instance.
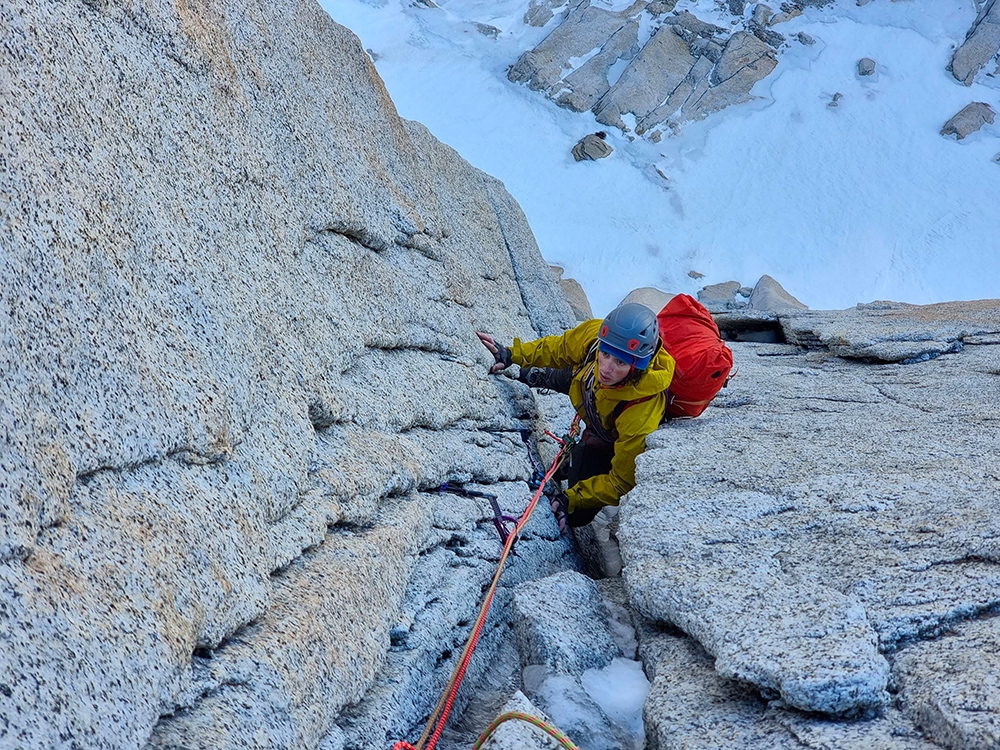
(500, 520)
(439, 716)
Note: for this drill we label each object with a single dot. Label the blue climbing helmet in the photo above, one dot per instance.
(631, 333)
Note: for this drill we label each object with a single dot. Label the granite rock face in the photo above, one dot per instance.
(218, 415)
(824, 518)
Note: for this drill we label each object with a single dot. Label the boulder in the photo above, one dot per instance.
(561, 624)
(539, 12)
(970, 119)
(575, 296)
(592, 147)
(769, 296)
(583, 87)
(584, 29)
(866, 66)
(487, 30)
(982, 43)
(722, 296)
(761, 15)
(653, 298)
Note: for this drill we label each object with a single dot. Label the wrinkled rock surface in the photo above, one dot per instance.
(691, 706)
(219, 420)
(737, 528)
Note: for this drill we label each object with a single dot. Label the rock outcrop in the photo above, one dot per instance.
(686, 70)
(982, 43)
(240, 296)
(888, 538)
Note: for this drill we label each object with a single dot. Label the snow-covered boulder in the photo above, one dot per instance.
(970, 119)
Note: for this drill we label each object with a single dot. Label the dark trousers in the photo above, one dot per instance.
(590, 457)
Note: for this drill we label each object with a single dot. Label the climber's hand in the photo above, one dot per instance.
(560, 509)
(500, 353)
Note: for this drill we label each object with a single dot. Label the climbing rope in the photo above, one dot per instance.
(439, 717)
(558, 736)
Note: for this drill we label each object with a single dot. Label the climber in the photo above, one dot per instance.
(616, 374)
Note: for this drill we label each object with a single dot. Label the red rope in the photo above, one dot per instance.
(445, 704)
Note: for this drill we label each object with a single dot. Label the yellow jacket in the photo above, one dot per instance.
(633, 424)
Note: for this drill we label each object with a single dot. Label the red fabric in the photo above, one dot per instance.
(703, 360)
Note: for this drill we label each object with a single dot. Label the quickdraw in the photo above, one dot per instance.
(500, 519)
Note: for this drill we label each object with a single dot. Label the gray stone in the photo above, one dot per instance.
(691, 706)
(575, 296)
(591, 147)
(487, 30)
(584, 29)
(659, 7)
(648, 80)
(737, 7)
(766, 35)
(805, 39)
(735, 531)
(653, 298)
(720, 297)
(769, 295)
(537, 14)
(560, 624)
(895, 331)
(866, 66)
(950, 686)
(835, 100)
(970, 119)
(582, 88)
(761, 15)
(982, 43)
(788, 12)
(746, 58)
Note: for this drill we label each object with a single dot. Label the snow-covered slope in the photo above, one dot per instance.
(845, 204)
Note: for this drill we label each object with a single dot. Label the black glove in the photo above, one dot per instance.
(560, 509)
(501, 354)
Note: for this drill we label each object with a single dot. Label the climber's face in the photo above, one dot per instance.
(611, 370)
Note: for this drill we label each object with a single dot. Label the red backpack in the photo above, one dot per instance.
(692, 338)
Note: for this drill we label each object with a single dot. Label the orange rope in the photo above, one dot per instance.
(439, 716)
